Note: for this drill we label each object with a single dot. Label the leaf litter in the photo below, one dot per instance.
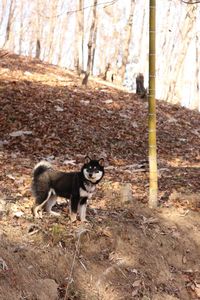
(126, 251)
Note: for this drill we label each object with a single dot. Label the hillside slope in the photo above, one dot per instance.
(126, 251)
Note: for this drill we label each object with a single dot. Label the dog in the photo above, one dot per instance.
(78, 187)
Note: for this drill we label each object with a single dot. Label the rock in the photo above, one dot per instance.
(85, 102)
(27, 73)
(2, 204)
(58, 108)
(126, 193)
(18, 214)
(2, 143)
(46, 289)
(3, 264)
(108, 101)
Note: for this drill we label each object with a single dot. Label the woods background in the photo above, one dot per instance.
(114, 36)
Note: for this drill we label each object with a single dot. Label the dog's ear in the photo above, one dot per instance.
(87, 159)
(101, 162)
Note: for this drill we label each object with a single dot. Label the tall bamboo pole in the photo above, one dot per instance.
(153, 176)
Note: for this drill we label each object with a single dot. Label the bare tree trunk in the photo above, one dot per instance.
(128, 30)
(140, 89)
(184, 44)
(89, 64)
(51, 33)
(61, 40)
(197, 101)
(38, 35)
(21, 26)
(167, 50)
(94, 49)
(9, 22)
(3, 8)
(194, 103)
(79, 45)
(142, 41)
(38, 49)
(91, 43)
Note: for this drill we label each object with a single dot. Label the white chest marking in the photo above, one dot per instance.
(83, 193)
(88, 192)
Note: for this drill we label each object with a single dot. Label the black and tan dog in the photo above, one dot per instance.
(48, 183)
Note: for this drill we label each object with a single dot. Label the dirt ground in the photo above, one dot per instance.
(125, 251)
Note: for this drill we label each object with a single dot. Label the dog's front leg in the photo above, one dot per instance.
(75, 198)
(74, 207)
(82, 209)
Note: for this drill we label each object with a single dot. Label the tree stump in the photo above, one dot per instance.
(140, 89)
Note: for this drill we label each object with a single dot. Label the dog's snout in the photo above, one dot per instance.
(90, 174)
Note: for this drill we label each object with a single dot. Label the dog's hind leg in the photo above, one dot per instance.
(36, 210)
(50, 203)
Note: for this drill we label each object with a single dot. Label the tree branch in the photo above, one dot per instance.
(191, 2)
(69, 12)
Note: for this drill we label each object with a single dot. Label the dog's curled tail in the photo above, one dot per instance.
(40, 168)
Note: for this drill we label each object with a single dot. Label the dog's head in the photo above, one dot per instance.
(93, 170)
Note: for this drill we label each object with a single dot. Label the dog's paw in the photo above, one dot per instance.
(73, 217)
(55, 214)
(38, 215)
(84, 220)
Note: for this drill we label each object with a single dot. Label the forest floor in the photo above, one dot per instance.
(125, 251)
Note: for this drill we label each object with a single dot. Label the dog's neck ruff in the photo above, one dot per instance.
(89, 186)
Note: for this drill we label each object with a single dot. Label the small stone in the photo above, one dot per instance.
(46, 289)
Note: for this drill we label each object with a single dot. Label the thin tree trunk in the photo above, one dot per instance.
(94, 49)
(38, 35)
(38, 49)
(167, 50)
(91, 43)
(153, 176)
(183, 48)
(9, 22)
(21, 8)
(61, 42)
(127, 41)
(79, 45)
(52, 30)
(196, 104)
(3, 9)
(142, 50)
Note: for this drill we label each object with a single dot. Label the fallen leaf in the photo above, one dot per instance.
(20, 133)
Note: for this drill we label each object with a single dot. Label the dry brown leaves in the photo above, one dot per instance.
(47, 113)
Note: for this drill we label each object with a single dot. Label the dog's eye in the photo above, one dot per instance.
(96, 171)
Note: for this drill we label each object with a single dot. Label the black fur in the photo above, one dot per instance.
(77, 186)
